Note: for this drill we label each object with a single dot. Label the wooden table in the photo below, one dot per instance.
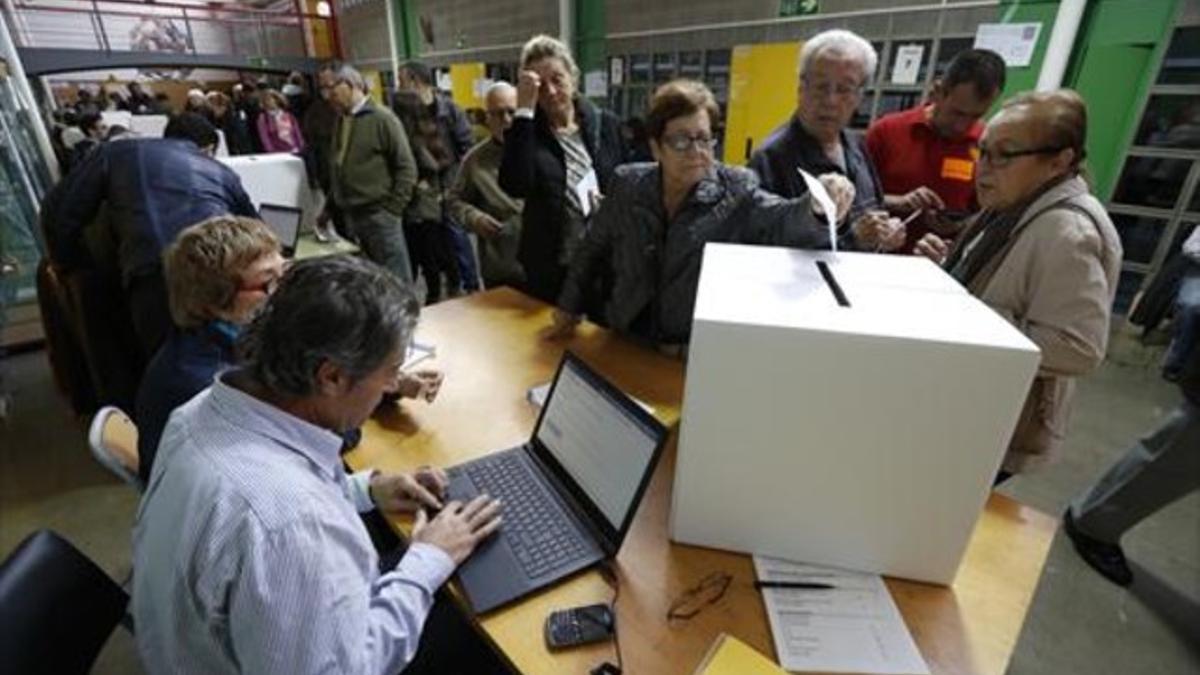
(489, 347)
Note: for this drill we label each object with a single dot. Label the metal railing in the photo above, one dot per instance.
(175, 28)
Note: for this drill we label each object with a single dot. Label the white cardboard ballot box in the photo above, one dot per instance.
(862, 433)
(276, 178)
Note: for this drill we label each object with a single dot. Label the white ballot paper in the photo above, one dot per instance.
(586, 189)
(416, 353)
(819, 193)
(854, 627)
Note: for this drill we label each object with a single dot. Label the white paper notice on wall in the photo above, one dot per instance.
(595, 85)
(908, 64)
(1014, 42)
(616, 71)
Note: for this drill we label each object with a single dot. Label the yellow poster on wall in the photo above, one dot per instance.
(467, 81)
(762, 95)
(375, 80)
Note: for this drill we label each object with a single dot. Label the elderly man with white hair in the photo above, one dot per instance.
(477, 201)
(835, 66)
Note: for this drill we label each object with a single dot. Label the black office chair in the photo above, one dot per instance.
(57, 607)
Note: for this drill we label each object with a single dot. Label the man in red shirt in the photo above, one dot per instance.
(926, 156)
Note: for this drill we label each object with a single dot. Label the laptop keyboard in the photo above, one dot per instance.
(534, 525)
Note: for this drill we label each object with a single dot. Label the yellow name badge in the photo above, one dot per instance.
(954, 168)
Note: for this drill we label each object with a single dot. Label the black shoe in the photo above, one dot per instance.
(1107, 559)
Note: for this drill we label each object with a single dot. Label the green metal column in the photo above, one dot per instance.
(590, 26)
(407, 29)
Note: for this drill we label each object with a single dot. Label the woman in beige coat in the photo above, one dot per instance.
(1043, 253)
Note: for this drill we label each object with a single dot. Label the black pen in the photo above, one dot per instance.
(794, 584)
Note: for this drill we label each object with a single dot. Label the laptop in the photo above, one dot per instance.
(284, 221)
(569, 494)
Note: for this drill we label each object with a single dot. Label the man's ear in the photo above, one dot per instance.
(937, 91)
(331, 379)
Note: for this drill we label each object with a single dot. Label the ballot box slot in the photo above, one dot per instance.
(832, 282)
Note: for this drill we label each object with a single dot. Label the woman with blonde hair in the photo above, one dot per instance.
(218, 273)
(559, 156)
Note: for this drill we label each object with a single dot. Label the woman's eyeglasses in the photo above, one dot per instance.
(1002, 158)
(268, 287)
(707, 592)
(684, 142)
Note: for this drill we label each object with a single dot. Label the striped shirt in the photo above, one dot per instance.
(578, 164)
(249, 554)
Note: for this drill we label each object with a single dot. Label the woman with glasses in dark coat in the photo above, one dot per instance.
(651, 228)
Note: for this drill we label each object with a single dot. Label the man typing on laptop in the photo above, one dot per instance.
(248, 549)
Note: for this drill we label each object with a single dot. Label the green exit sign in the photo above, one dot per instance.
(798, 7)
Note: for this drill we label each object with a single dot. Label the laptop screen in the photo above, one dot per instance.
(598, 441)
(284, 221)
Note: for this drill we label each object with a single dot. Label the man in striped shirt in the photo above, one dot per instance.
(249, 554)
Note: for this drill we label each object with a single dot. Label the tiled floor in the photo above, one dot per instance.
(1079, 623)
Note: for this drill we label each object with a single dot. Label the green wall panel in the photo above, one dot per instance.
(1115, 60)
(590, 49)
(1030, 11)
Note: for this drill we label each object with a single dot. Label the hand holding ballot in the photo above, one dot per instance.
(933, 247)
(877, 230)
(841, 193)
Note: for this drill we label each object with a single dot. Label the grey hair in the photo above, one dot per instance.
(545, 47)
(843, 43)
(498, 85)
(338, 309)
(350, 75)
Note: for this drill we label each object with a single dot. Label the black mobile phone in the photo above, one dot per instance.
(579, 626)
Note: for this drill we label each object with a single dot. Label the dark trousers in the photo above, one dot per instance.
(544, 282)
(464, 256)
(429, 244)
(150, 313)
(1160, 468)
(380, 234)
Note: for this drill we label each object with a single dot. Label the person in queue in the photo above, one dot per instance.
(477, 200)
(652, 227)
(249, 552)
(231, 121)
(426, 227)
(559, 156)
(1042, 253)
(317, 128)
(278, 129)
(926, 156)
(372, 172)
(835, 67)
(454, 130)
